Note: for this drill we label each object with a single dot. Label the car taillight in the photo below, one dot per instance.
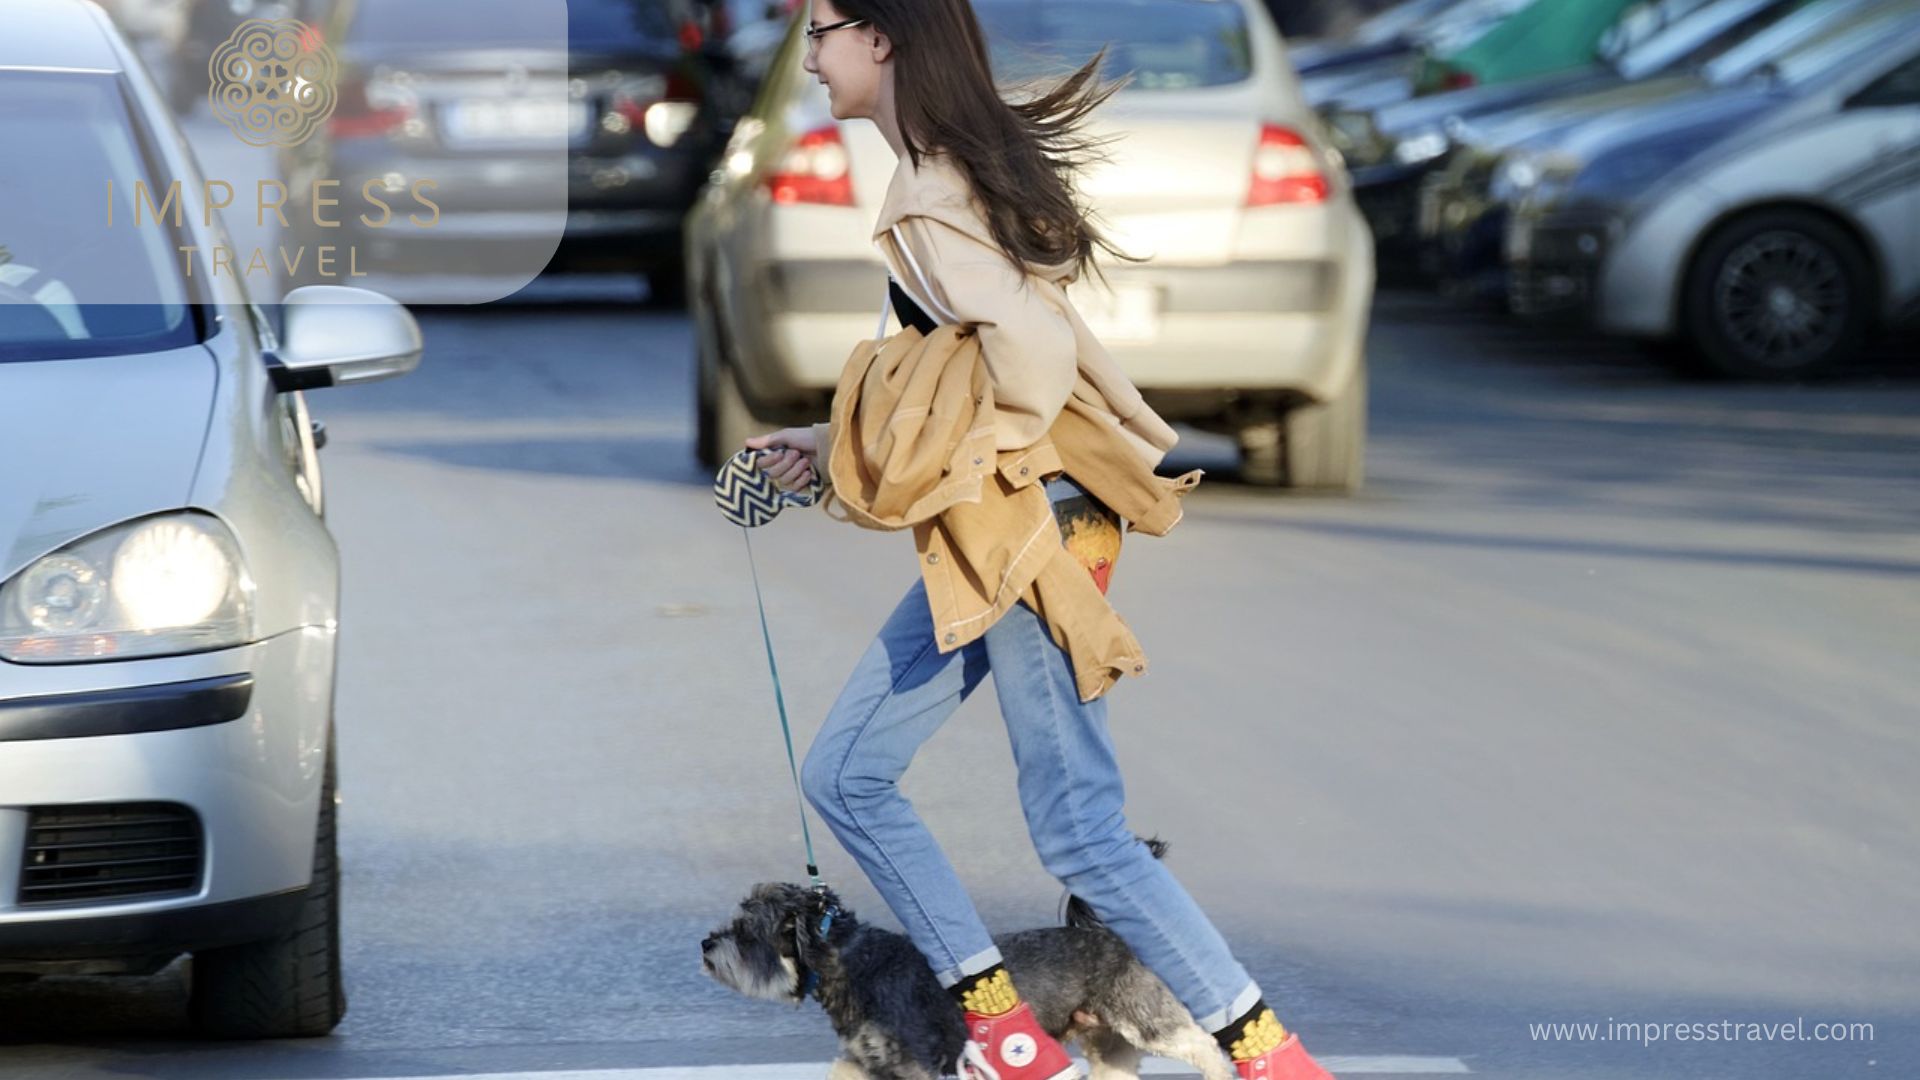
(1456, 79)
(354, 117)
(815, 169)
(1285, 169)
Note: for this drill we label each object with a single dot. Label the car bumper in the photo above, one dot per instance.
(178, 732)
(1267, 324)
(1554, 264)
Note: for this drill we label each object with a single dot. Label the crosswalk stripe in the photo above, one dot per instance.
(1339, 1065)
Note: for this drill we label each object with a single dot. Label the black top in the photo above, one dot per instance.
(907, 311)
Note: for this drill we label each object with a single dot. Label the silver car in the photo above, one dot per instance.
(1250, 319)
(1774, 241)
(169, 592)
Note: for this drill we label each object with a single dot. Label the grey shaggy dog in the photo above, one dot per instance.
(895, 1020)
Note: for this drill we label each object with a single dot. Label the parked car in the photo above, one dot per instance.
(1772, 248)
(1464, 205)
(1404, 142)
(169, 592)
(475, 98)
(1250, 319)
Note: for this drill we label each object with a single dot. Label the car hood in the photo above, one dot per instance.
(1541, 121)
(1406, 116)
(95, 441)
(1708, 116)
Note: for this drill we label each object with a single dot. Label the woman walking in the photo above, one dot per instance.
(979, 227)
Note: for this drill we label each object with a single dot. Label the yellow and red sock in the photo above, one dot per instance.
(987, 993)
(1253, 1034)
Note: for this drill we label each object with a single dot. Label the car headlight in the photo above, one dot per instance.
(1532, 176)
(161, 585)
(1422, 146)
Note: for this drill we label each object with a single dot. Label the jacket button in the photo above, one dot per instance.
(1023, 470)
(1138, 668)
(976, 461)
(951, 638)
(934, 557)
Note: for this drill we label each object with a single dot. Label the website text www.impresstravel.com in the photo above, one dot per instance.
(1648, 1032)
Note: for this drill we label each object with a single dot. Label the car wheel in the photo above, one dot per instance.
(1779, 295)
(289, 986)
(667, 287)
(1326, 442)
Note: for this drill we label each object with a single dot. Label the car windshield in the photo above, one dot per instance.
(1399, 20)
(72, 281)
(1165, 44)
(1705, 34)
(1813, 28)
(1465, 23)
(442, 24)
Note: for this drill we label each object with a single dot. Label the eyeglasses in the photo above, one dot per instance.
(814, 32)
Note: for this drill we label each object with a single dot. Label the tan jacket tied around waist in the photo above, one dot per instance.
(951, 434)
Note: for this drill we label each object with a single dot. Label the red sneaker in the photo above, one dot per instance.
(1288, 1061)
(1013, 1046)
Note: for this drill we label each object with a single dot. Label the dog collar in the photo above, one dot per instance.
(812, 981)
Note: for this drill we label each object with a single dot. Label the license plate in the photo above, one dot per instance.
(1126, 313)
(500, 121)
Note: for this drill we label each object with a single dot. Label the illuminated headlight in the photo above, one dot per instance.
(173, 583)
(666, 121)
(1422, 146)
(1515, 176)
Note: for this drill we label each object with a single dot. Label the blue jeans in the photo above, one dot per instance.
(900, 692)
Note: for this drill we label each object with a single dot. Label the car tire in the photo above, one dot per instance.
(723, 421)
(667, 287)
(1779, 272)
(1326, 442)
(288, 986)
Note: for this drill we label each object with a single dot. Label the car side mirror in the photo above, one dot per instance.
(334, 335)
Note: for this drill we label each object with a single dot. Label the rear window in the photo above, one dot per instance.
(1163, 44)
(70, 284)
(443, 24)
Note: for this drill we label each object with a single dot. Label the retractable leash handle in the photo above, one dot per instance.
(749, 498)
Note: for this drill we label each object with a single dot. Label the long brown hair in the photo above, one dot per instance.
(1021, 157)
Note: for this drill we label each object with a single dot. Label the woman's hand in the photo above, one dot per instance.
(792, 465)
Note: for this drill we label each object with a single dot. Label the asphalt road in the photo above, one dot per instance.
(1598, 704)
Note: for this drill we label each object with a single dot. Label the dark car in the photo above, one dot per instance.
(477, 96)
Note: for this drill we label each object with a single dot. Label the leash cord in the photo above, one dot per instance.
(813, 869)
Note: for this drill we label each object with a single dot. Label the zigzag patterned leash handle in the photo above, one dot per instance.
(749, 498)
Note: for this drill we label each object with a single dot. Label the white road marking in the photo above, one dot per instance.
(1339, 1065)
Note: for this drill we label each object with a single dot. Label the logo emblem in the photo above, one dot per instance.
(273, 82)
(1019, 1049)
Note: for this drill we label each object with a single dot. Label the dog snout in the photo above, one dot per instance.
(707, 943)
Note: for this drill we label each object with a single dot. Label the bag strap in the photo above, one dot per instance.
(924, 297)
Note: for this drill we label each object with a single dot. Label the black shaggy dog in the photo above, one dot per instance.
(895, 1020)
